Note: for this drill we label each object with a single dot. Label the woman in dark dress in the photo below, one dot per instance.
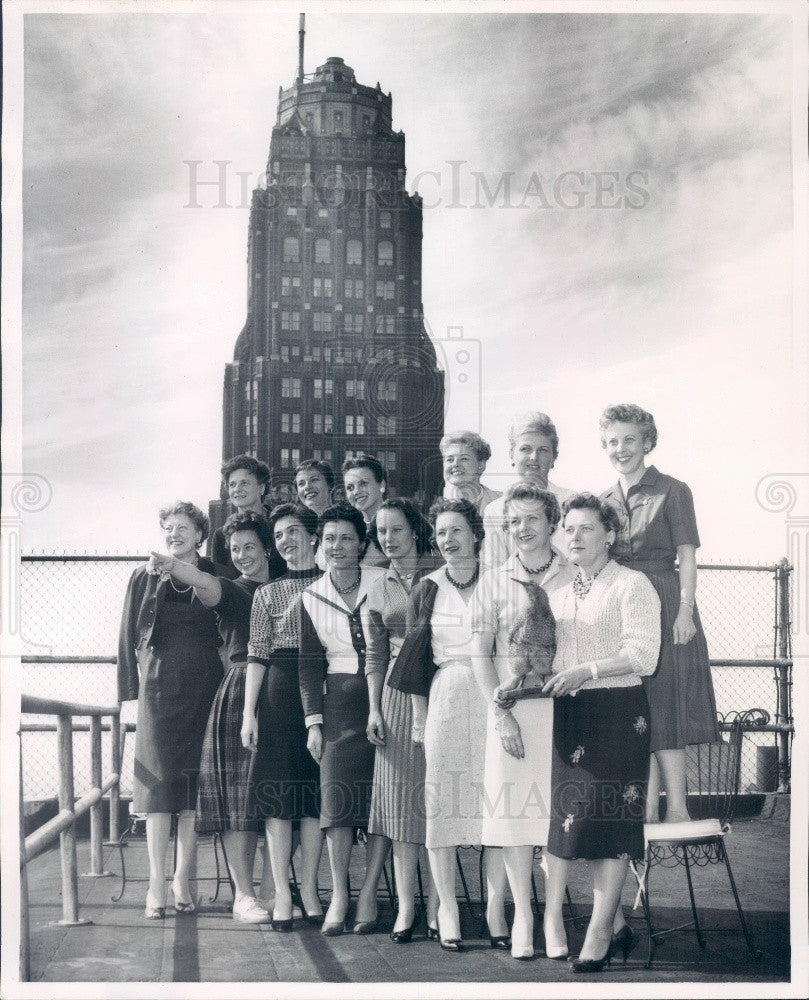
(366, 486)
(226, 768)
(657, 526)
(286, 787)
(334, 693)
(168, 658)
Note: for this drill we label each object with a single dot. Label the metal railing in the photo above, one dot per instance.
(63, 825)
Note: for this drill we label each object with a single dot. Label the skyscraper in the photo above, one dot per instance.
(334, 358)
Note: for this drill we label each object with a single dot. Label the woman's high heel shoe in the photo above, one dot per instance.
(405, 936)
(501, 942)
(624, 941)
(592, 964)
(558, 952)
(448, 944)
(432, 933)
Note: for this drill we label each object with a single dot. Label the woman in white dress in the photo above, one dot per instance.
(513, 636)
(435, 660)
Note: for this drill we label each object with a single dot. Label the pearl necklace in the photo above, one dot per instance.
(582, 584)
(350, 587)
(542, 569)
(462, 586)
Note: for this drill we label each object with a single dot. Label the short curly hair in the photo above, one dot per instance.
(469, 439)
(323, 468)
(529, 492)
(343, 511)
(629, 413)
(189, 510)
(252, 465)
(606, 513)
(533, 422)
(305, 515)
(249, 521)
(444, 505)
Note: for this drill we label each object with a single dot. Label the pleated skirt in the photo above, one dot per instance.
(682, 705)
(599, 773)
(454, 750)
(226, 767)
(397, 798)
(347, 762)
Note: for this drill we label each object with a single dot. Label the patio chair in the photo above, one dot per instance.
(713, 776)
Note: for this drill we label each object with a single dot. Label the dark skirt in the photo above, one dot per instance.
(599, 773)
(178, 682)
(225, 768)
(682, 706)
(347, 764)
(286, 779)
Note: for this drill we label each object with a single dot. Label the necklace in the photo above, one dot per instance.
(463, 586)
(542, 569)
(582, 583)
(350, 587)
(178, 590)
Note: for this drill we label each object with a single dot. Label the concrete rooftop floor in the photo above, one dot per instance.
(120, 946)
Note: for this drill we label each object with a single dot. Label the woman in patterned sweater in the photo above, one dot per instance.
(286, 785)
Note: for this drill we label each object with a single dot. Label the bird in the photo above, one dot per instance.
(532, 640)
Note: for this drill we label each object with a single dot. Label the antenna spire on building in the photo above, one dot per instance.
(301, 35)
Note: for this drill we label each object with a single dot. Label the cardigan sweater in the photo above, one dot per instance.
(621, 614)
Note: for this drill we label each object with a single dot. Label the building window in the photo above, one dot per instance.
(354, 288)
(349, 423)
(354, 219)
(285, 423)
(338, 122)
(318, 388)
(322, 288)
(322, 213)
(295, 456)
(352, 323)
(296, 350)
(290, 388)
(317, 423)
(328, 423)
(385, 289)
(292, 250)
(285, 458)
(384, 256)
(360, 424)
(292, 213)
(389, 460)
(327, 355)
(384, 220)
(366, 122)
(284, 352)
(386, 391)
(316, 352)
(354, 252)
(323, 251)
(290, 320)
(321, 322)
(329, 386)
(309, 118)
(386, 426)
(290, 285)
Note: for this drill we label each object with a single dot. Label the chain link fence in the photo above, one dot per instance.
(71, 609)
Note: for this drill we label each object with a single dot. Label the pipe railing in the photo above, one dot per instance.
(63, 825)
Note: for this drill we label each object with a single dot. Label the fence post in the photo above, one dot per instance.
(97, 809)
(115, 791)
(783, 671)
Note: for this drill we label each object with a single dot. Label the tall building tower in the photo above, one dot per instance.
(334, 358)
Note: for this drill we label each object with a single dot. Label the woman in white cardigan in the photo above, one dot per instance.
(607, 637)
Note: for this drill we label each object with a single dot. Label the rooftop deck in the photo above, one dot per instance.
(120, 946)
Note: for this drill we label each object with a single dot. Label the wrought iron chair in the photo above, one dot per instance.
(713, 777)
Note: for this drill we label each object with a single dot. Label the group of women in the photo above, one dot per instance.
(512, 672)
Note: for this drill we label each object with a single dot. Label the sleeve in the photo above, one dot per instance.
(260, 643)
(128, 676)
(377, 640)
(414, 668)
(485, 611)
(220, 556)
(494, 551)
(312, 668)
(681, 515)
(640, 624)
(227, 599)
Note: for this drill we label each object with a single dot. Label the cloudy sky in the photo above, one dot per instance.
(638, 244)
